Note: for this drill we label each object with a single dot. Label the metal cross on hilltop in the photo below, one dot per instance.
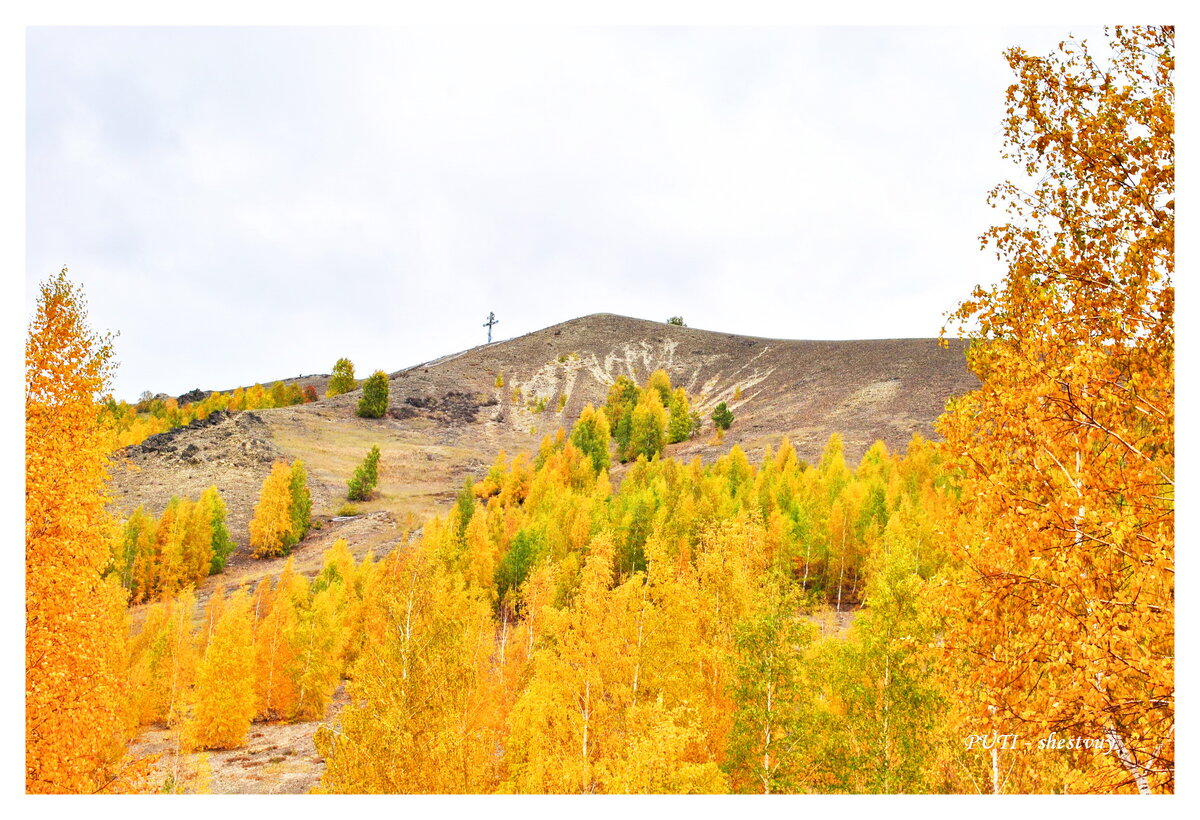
(492, 320)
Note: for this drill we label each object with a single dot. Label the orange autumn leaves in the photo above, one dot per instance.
(74, 617)
(276, 652)
(284, 510)
(78, 675)
(568, 637)
(1067, 449)
(187, 543)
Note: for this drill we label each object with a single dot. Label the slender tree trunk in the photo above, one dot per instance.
(182, 636)
(637, 666)
(766, 764)
(887, 715)
(1136, 771)
(503, 642)
(267, 705)
(412, 591)
(842, 564)
(841, 574)
(529, 643)
(587, 713)
(307, 664)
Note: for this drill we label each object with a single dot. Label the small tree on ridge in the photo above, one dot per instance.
(342, 380)
(374, 402)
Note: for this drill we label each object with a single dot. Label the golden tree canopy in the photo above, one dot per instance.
(1068, 446)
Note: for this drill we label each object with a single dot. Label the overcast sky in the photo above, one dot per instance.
(246, 204)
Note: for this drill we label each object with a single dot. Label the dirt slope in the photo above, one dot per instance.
(865, 390)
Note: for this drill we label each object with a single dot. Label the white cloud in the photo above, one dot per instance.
(253, 203)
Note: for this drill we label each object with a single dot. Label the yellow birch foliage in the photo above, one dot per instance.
(224, 692)
(1067, 448)
(163, 661)
(319, 640)
(197, 540)
(647, 427)
(272, 524)
(157, 559)
(140, 556)
(274, 643)
(579, 689)
(658, 757)
(168, 546)
(212, 614)
(360, 583)
(730, 569)
(618, 659)
(74, 619)
(417, 722)
(660, 382)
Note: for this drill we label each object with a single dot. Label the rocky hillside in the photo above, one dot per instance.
(448, 418)
(865, 390)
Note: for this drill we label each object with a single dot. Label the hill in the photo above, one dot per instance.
(448, 419)
(866, 390)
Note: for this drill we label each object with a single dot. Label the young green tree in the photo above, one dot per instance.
(526, 548)
(366, 476)
(464, 506)
(680, 425)
(722, 416)
(342, 380)
(301, 502)
(768, 735)
(591, 436)
(622, 398)
(890, 726)
(222, 545)
(374, 401)
(134, 554)
(647, 426)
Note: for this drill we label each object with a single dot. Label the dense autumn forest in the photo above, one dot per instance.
(682, 630)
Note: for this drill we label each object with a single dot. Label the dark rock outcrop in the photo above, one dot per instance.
(194, 395)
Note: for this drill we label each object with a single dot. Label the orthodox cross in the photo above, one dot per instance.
(492, 320)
